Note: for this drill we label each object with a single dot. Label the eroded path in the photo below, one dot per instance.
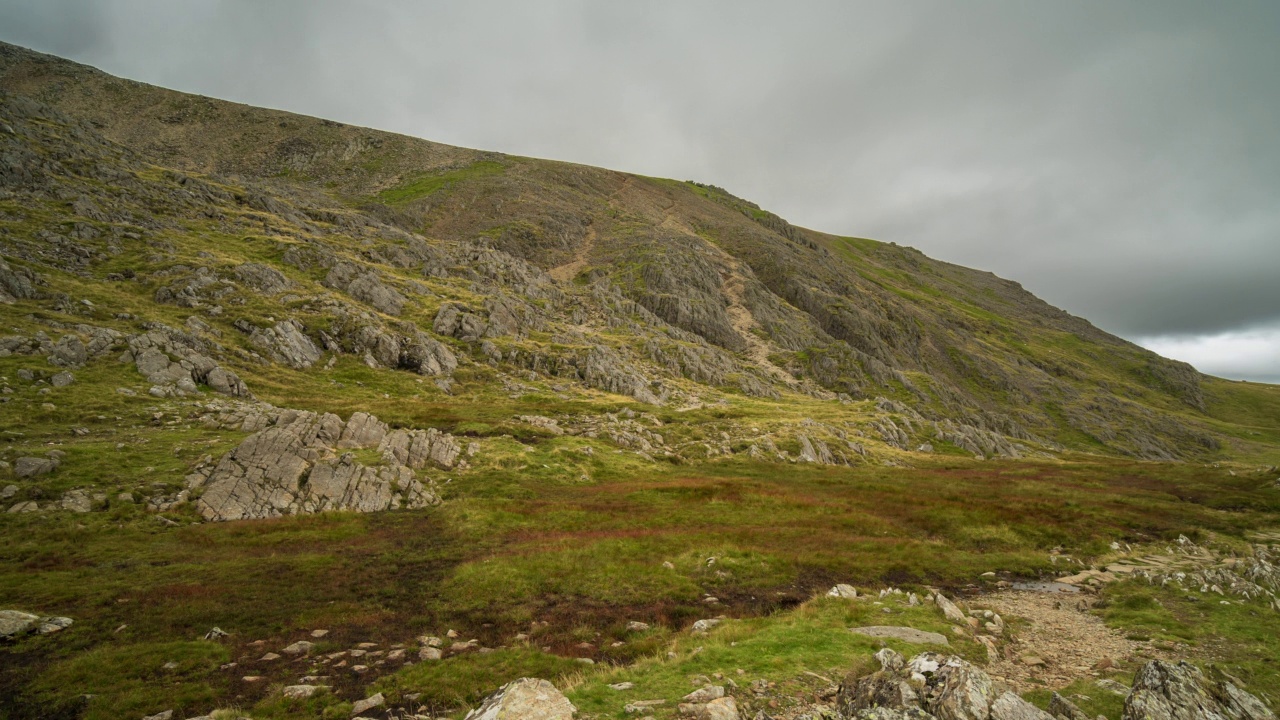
(1053, 639)
(570, 270)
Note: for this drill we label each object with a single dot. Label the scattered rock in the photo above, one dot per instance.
(950, 610)
(62, 379)
(76, 501)
(15, 623)
(843, 591)
(373, 701)
(301, 692)
(702, 626)
(890, 660)
(430, 653)
(302, 647)
(931, 685)
(1112, 686)
(705, 694)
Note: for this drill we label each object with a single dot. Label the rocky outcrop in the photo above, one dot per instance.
(16, 284)
(930, 686)
(264, 279)
(525, 699)
(286, 343)
(174, 362)
(982, 443)
(603, 368)
(70, 351)
(402, 346)
(364, 285)
(297, 465)
(457, 321)
(1169, 691)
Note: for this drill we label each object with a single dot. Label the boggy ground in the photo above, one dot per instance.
(544, 571)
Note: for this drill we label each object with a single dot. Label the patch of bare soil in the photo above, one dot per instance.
(570, 270)
(1052, 639)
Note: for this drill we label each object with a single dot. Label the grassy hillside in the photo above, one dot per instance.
(645, 400)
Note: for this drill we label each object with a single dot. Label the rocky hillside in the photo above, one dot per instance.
(300, 237)
(303, 420)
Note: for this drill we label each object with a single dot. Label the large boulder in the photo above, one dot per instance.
(959, 691)
(14, 623)
(25, 467)
(1169, 691)
(363, 284)
(525, 699)
(266, 280)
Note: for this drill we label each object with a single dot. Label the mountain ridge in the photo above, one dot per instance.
(775, 304)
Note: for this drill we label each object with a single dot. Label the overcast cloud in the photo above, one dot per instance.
(1121, 160)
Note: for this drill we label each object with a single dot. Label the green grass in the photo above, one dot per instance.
(1241, 637)
(425, 185)
(135, 680)
(813, 638)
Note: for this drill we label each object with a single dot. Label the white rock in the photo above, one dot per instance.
(525, 699)
(368, 703)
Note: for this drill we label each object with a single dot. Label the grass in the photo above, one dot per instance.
(510, 548)
(812, 638)
(1240, 637)
(425, 185)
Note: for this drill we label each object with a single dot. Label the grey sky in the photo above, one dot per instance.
(1121, 160)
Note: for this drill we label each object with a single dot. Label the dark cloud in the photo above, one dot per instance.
(1119, 159)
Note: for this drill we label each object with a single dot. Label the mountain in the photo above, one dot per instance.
(590, 396)
(728, 295)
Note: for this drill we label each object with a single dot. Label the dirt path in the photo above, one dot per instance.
(732, 284)
(1052, 641)
(581, 256)
(743, 322)
(570, 270)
